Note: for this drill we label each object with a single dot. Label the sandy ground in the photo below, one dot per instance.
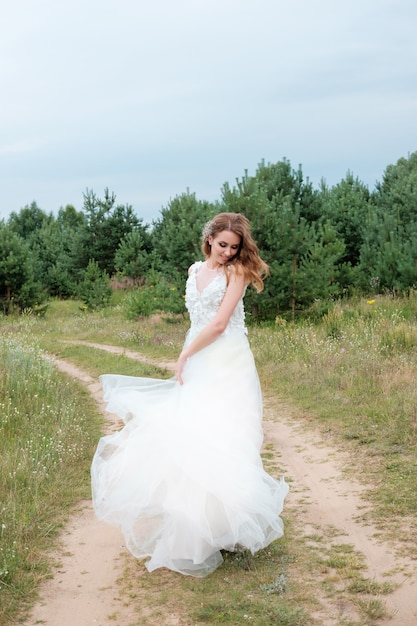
(85, 589)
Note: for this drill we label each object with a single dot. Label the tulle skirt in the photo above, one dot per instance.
(184, 478)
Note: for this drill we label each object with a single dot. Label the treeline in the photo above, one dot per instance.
(320, 244)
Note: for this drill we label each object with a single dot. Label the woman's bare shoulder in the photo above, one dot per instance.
(194, 266)
(235, 269)
(236, 273)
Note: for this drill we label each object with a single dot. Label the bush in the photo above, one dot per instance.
(95, 290)
(157, 296)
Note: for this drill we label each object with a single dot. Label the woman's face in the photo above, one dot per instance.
(224, 246)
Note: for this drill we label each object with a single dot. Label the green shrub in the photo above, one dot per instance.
(95, 290)
(157, 296)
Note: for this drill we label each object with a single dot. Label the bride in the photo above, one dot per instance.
(184, 478)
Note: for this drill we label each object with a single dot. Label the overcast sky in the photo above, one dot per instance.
(151, 97)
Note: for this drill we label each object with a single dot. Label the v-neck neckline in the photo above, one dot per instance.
(216, 275)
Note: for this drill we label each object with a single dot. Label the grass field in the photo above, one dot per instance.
(351, 372)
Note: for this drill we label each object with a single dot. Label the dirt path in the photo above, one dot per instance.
(330, 504)
(85, 589)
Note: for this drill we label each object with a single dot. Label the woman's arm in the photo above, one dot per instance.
(214, 329)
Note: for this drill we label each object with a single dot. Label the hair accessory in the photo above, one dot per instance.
(207, 230)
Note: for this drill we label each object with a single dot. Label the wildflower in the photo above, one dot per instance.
(370, 302)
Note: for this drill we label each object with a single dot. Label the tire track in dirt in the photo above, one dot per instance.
(329, 504)
(84, 589)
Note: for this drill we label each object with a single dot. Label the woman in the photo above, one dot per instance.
(184, 478)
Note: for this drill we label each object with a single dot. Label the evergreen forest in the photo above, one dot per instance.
(321, 244)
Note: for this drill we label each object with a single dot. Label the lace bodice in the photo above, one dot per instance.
(203, 305)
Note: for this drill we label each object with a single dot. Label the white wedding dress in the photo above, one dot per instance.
(184, 478)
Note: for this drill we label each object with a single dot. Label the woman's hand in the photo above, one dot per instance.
(179, 366)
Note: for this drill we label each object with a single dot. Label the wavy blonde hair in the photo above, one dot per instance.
(247, 257)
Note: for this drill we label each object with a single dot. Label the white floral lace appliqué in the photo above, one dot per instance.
(203, 305)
